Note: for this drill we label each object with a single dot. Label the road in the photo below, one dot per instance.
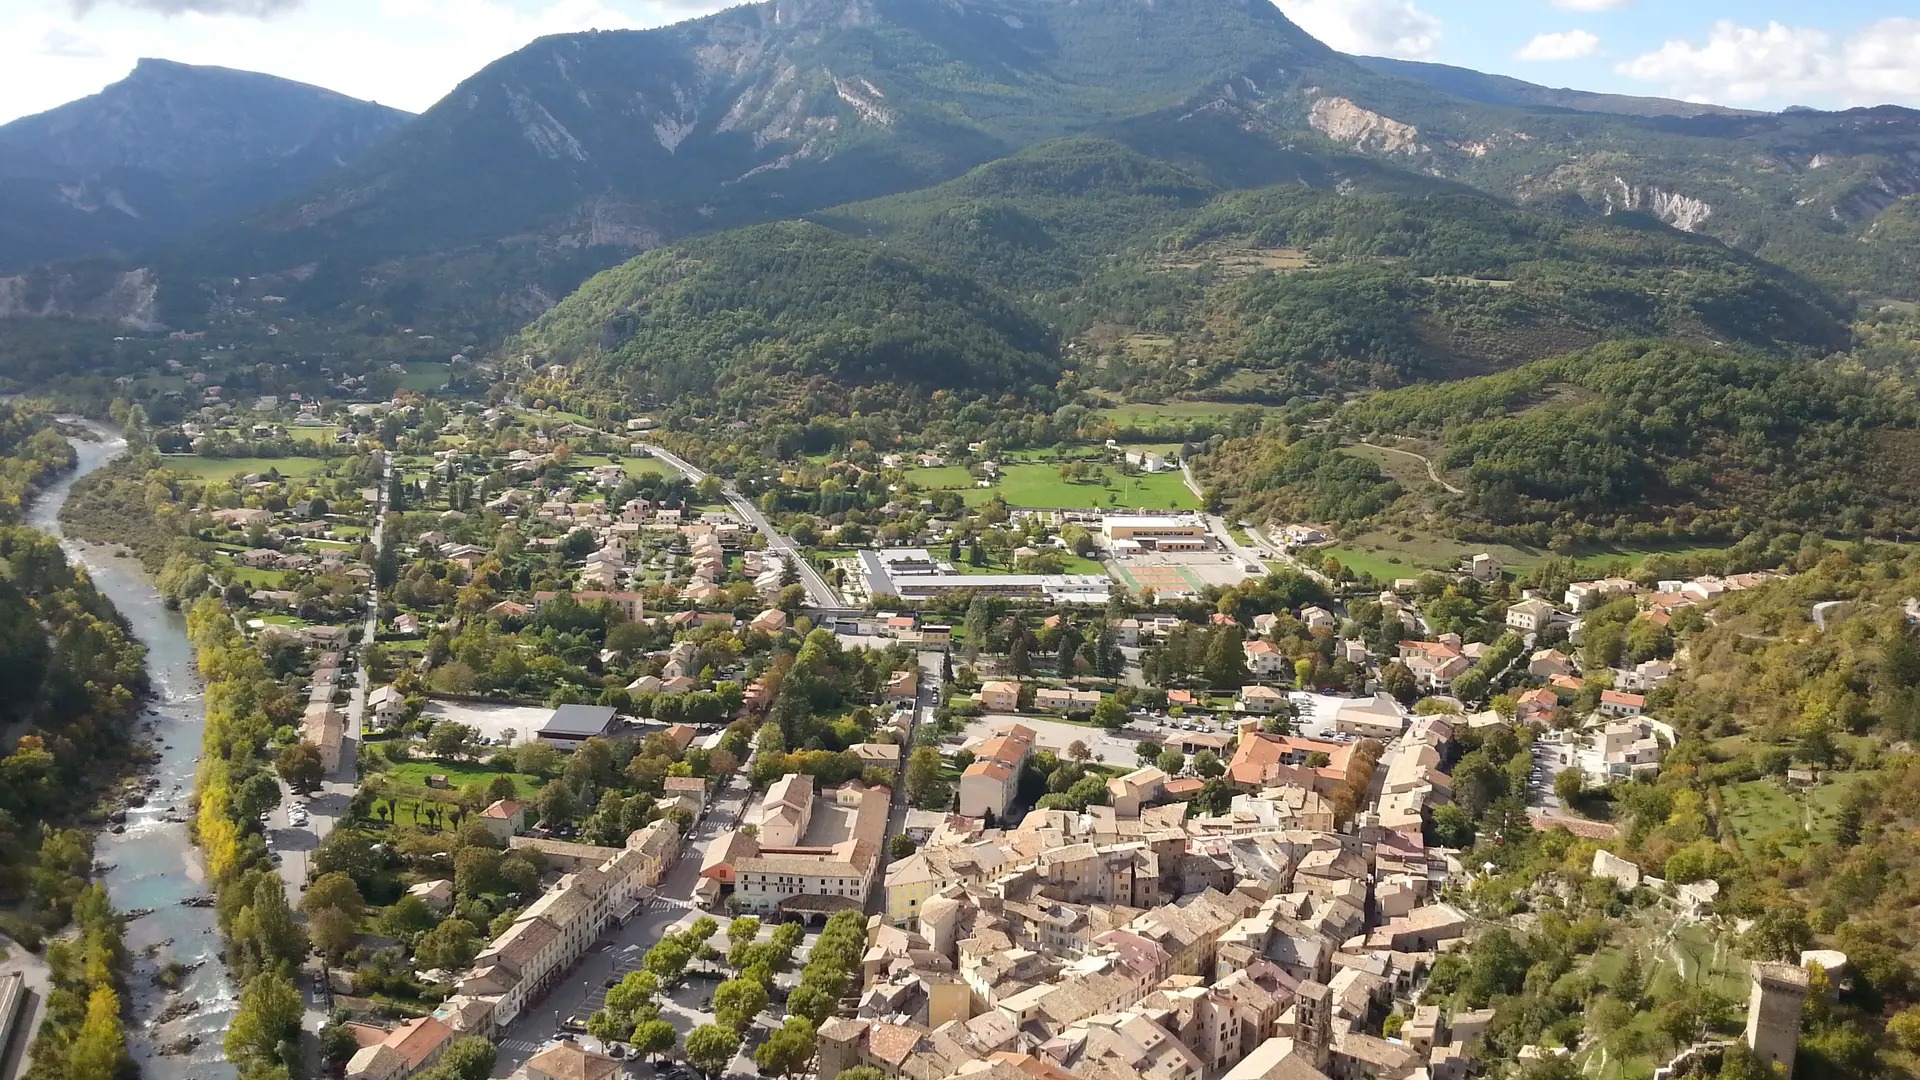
(295, 845)
(1280, 552)
(581, 990)
(932, 662)
(1432, 473)
(819, 593)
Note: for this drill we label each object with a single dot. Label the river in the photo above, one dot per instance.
(153, 864)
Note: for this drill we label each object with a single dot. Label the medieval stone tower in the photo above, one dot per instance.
(1313, 1022)
(1773, 1013)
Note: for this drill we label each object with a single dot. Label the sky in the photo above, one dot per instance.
(409, 53)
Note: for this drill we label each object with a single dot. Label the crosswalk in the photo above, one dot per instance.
(520, 1046)
(667, 903)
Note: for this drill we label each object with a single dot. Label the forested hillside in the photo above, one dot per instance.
(1612, 440)
(1336, 274)
(766, 314)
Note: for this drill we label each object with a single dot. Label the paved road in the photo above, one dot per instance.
(819, 593)
(295, 845)
(580, 991)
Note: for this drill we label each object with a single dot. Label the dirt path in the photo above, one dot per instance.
(1432, 473)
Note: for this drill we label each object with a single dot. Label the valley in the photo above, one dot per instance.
(861, 539)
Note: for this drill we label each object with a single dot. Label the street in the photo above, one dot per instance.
(819, 593)
(580, 991)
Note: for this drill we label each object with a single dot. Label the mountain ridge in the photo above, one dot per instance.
(167, 150)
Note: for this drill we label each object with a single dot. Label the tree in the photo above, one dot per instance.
(1226, 660)
(1077, 750)
(667, 960)
(99, 1048)
(1398, 680)
(450, 946)
(710, 1047)
(654, 1037)
(925, 788)
(1568, 783)
(1147, 751)
(1110, 714)
(743, 929)
(1207, 765)
(300, 766)
(410, 915)
(333, 931)
(813, 1003)
(267, 1018)
(788, 1050)
(901, 845)
(266, 928)
(449, 739)
(469, 1058)
(861, 1072)
(1171, 761)
(737, 1001)
(334, 890)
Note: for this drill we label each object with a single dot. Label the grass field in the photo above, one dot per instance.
(311, 434)
(259, 579)
(1171, 413)
(1070, 564)
(204, 468)
(1041, 485)
(1758, 809)
(409, 779)
(424, 377)
(1395, 554)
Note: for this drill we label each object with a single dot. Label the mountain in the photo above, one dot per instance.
(1503, 90)
(623, 139)
(770, 314)
(1336, 273)
(165, 151)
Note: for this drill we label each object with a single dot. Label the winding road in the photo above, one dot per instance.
(1432, 473)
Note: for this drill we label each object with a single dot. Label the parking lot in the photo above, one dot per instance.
(492, 720)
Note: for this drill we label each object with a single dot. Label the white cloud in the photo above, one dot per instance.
(1560, 45)
(1591, 5)
(1371, 27)
(1779, 65)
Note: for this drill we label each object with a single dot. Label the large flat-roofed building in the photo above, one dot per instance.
(571, 725)
(1154, 527)
(911, 574)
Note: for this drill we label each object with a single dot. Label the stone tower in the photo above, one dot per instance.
(1773, 1013)
(1313, 1022)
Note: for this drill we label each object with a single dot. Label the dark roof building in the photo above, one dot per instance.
(571, 725)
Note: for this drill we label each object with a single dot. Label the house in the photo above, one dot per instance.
(505, 818)
(989, 784)
(1262, 700)
(1265, 661)
(1319, 618)
(387, 704)
(1433, 664)
(1056, 699)
(324, 727)
(571, 725)
(1549, 662)
(567, 1061)
(1630, 747)
(437, 894)
(1482, 567)
(770, 621)
(411, 1047)
(1616, 703)
(1377, 718)
(1531, 615)
(1000, 696)
(884, 755)
(785, 811)
(902, 686)
(1536, 704)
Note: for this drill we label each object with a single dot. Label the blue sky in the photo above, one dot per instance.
(409, 53)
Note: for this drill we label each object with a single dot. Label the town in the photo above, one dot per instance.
(1139, 792)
